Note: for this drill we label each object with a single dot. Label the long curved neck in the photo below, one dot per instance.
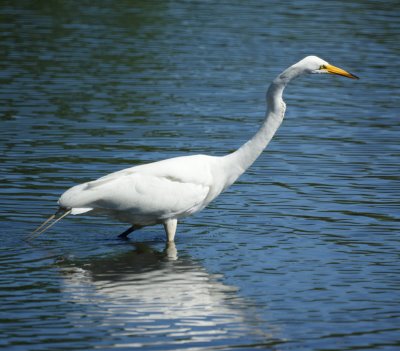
(237, 162)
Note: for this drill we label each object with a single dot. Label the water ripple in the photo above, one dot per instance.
(302, 253)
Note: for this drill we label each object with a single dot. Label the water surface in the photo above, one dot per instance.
(301, 253)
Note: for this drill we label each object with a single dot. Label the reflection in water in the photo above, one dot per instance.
(146, 292)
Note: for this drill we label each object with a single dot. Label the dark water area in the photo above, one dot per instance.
(302, 253)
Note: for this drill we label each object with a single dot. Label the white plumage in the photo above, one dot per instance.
(163, 192)
(151, 193)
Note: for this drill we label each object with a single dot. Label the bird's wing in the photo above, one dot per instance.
(173, 187)
(149, 195)
(186, 169)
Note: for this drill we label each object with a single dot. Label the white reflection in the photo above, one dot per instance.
(158, 298)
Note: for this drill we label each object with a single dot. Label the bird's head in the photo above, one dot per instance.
(314, 64)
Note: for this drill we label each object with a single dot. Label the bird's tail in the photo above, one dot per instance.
(61, 213)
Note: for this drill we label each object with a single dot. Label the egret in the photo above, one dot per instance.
(163, 192)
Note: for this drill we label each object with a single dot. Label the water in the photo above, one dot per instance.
(302, 253)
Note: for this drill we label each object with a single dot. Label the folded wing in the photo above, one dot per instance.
(172, 188)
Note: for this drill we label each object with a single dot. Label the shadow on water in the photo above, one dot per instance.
(146, 297)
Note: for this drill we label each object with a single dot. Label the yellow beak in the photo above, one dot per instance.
(341, 72)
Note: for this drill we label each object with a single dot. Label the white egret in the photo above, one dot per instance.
(165, 191)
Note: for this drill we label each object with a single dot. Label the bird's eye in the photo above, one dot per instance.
(322, 67)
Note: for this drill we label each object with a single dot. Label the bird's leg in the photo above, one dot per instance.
(170, 228)
(42, 228)
(170, 251)
(125, 234)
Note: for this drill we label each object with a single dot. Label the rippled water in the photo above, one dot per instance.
(302, 253)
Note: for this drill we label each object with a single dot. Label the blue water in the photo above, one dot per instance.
(302, 253)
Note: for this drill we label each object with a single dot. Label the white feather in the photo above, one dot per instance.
(164, 191)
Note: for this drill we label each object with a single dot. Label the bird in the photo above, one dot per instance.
(169, 190)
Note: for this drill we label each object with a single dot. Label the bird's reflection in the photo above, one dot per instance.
(153, 292)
